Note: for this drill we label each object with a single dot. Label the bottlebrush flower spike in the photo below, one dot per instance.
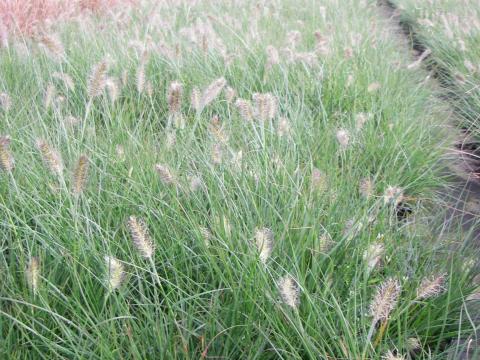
(80, 175)
(431, 287)
(32, 273)
(289, 291)
(373, 255)
(393, 195)
(51, 157)
(115, 273)
(245, 109)
(385, 300)
(53, 45)
(211, 92)
(174, 97)
(5, 101)
(343, 138)
(264, 241)
(7, 162)
(97, 79)
(141, 237)
(165, 174)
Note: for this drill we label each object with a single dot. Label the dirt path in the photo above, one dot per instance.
(463, 199)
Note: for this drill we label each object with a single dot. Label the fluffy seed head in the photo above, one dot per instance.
(174, 97)
(141, 237)
(283, 128)
(393, 195)
(245, 109)
(211, 92)
(80, 175)
(273, 57)
(113, 88)
(431, 287)
(366, 187)
(373, 255)
(385, 299)
(53, 45)
(264, 241)
(229, 94)
(32, 273)
(7, 162)
(195, 99)
(265, 106)
(206, 235)
(166, 175)
(389, 355)
(115, 273)
(51, 157)
(97, 79)
(289, 291)
(141, 77)
(5, 101)
(196, 183)
(343, 138)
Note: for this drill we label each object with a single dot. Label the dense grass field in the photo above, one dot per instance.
(233, 179)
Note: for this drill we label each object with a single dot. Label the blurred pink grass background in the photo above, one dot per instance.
(24, 17)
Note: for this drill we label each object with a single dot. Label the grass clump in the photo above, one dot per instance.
(241, 197)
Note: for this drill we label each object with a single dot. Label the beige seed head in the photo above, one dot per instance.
(80, 175)
(174, 97)
(51, 157)
(264, 241)
(195, 99)
(115, 273)
(196, 183)
(97, 79)
(393, 195)
(211, 92)
(373, 255)
(166, 175)
(343, 138)
(206, 235)
(7, 162)
(283, 128)
(141, 237)
(5, 101)
(431, 287)
(385, 299)
(53, 45)
(141, 77)
(273, 57)
(366, 187)
(289, 291)
(113, 88)
(245, 109)
(265, 106)
(389, 355)
(229, 94)
(32, 273)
